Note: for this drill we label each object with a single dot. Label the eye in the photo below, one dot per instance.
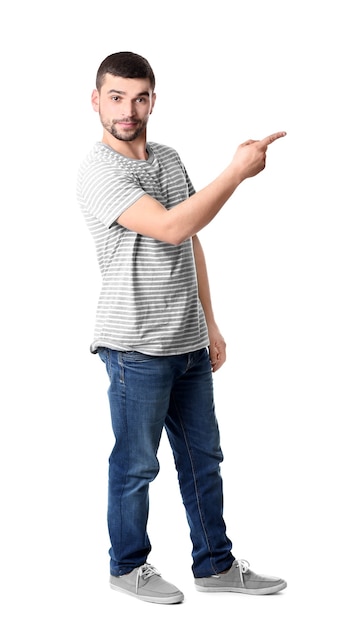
(115, 98)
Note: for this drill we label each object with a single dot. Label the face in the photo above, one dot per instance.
(124, 106)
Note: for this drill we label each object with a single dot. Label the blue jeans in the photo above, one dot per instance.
(146, 394)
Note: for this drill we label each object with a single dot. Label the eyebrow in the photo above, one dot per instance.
(123, 93)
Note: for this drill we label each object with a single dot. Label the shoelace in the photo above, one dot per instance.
(145, 571)
(243, 567)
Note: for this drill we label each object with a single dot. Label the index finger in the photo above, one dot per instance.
(271, 138)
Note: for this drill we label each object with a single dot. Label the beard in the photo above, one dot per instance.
(124, 135)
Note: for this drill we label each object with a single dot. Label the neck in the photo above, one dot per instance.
(135, 149)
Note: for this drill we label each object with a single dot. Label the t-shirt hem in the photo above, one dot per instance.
(94, 348)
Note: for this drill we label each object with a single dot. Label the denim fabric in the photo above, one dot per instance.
(146, 394)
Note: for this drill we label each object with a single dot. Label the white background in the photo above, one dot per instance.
(278, 259)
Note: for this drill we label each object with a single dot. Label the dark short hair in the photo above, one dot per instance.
(126, 65)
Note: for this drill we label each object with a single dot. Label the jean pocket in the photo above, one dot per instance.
(136, 357)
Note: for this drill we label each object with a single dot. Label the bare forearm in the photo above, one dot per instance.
(193, 214)
(190, 216)
(217, 344)
(151, 219)
(203, 281)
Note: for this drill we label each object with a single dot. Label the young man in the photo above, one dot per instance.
(156, 332)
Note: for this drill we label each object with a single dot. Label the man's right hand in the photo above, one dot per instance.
(250, 156)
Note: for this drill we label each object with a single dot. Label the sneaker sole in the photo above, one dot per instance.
(175, 599)
(253, 592)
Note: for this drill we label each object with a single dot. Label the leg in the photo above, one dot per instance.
(194, 437)
(139, 395)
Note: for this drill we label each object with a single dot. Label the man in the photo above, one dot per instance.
(156, 332)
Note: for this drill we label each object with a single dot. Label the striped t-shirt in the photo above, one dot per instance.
(149, 297)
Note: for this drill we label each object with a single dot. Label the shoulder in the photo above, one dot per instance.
(101, 153)
(161, 150)
(101, 161)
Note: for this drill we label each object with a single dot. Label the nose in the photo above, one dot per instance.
(128, 108)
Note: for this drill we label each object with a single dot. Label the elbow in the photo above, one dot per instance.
(174, 231)
(176, 241)
(175, 228)
(176, 236)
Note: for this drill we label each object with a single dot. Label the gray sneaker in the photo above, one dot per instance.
(146, 583)
(241, 579)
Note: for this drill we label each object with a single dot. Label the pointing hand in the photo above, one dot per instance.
(250, 156)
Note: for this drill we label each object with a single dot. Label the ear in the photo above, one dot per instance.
(154, 96)
(95, 100)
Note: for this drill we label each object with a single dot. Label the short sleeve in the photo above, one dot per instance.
(106, 191)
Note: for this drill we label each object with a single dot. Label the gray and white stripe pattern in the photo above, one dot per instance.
(149, 296)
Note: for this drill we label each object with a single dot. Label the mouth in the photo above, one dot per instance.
(125, 123)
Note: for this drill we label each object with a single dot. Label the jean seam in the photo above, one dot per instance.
(108, 362)
(196, 489)
(121, 368)
(121, 378)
